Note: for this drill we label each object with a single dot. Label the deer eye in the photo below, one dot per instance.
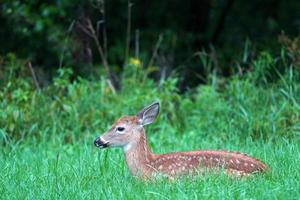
(120, 129)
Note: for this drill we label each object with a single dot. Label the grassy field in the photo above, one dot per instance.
(80, 171)
(47, 149)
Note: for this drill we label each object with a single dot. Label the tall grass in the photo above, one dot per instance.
(47, 136)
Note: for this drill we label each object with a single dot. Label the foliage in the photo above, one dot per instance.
(47, 134)
(251, 105)
(245, 96)
(46, 32)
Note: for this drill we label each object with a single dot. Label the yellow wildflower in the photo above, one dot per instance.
(134, 61)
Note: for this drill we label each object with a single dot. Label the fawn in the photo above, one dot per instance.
(128, 132)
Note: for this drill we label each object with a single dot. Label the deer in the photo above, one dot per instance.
(128, 132)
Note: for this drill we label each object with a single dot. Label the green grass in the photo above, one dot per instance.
(81, 171)
(47, 149)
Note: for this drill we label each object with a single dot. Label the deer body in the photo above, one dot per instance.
(128, 133)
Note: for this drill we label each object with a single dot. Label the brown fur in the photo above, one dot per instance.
(145, 164)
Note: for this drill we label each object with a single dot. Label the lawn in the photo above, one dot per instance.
(80, 171)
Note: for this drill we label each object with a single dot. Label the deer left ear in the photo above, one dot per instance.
(148, 114)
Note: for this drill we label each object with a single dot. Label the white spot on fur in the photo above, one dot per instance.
(237, 161)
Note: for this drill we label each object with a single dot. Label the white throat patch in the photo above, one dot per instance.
(127, 147)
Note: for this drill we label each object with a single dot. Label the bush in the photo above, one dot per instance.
(68, 110)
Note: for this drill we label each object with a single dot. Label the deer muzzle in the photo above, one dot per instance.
(100, 143)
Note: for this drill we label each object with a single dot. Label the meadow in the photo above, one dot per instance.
(47, 135)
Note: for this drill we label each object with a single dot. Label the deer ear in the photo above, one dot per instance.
(148, 114)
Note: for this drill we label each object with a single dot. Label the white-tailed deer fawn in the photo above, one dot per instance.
(129, 133)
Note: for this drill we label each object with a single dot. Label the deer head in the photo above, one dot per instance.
(127, 130)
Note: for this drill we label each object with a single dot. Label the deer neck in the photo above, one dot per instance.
(138, 155)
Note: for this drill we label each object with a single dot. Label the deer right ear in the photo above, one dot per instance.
(148, 114)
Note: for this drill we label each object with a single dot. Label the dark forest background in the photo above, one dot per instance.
(171, 35)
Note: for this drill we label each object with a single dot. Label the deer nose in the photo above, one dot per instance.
(100, 143)
(96, 142)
